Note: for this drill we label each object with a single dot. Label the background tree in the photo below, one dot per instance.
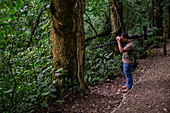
(116, 15)
(159, 17)
(152, 3)
(168, 22)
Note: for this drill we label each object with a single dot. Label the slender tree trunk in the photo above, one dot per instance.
(116, 15)
(117, 26)
(159, 13)
(152, 13)
(81, 49)
(168, 22)
(66, 41)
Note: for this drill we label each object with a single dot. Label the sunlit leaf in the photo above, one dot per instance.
(57, 74)
(46, 93)
(52, 90)
(9, 91)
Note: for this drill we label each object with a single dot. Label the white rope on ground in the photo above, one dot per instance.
(124, 96)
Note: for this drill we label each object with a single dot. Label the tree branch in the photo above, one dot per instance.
(35, 26)
(90, 23)
(106, 31)
(10, 71)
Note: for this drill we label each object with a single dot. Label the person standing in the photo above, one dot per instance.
(127, 59)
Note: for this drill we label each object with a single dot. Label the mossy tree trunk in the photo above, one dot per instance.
(67, 42)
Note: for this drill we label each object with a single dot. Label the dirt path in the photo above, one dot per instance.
(152, 93)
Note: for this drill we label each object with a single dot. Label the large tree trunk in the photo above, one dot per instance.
(159, 13)
(66, 40)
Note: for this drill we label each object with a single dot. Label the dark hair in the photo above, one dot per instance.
(125, 35)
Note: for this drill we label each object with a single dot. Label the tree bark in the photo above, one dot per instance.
(168, 22)
(116, 15)
(81, 49)
(152, 13)
(117, 26)
(66, 41)
(159, 16)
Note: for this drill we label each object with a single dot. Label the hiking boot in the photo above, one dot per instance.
(125, 91)
(124, 87)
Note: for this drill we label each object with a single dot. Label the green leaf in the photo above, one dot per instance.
(22, 33)
(9, 91)
(60, 101)
(12, 10)
(53, 96)
(38, 63)
(41, 1)
(46, 93)
(45, 62)
(5, 19)
(59, 70)
(57, 74)
(52, 90)
(44, 105)
(32, 97)
(18, 5)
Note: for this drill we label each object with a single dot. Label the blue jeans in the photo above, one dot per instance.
(127, 69)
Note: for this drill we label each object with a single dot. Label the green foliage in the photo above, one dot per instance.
(139, 49)
(100, 63)
(98, 12)
(135, 15)
(25, 71)
(28, 82)
(151, 40)
(25, 80)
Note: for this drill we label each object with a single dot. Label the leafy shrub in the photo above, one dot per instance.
(100, 62)
(26, 86)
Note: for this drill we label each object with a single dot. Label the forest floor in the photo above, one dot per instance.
(150, 92)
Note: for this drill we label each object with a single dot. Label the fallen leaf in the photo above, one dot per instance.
(128, 109)
(142, 92)
(142, 70)
(108, 107)
(165, 109)
(117, 93)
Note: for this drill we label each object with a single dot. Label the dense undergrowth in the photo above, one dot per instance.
(26, 51)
